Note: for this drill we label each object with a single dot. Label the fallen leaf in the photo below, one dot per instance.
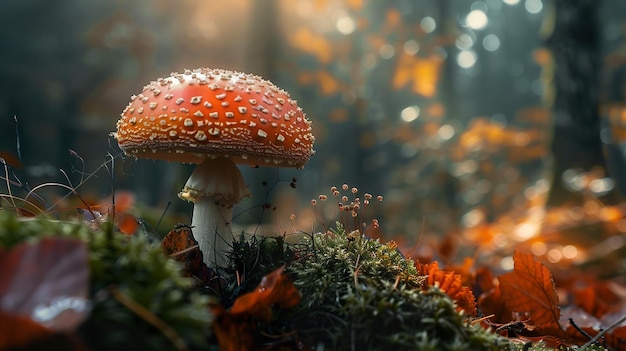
(529, 291)
(491, 303)
(597, 299)
(43, 294)
(10, 159)
(484, 280)
(180, 245)
(23, 334)
(237, 329)
(124, 221)
(617, 338)
(274, 289)
(450, 283)
(447, 247)
(19, 330)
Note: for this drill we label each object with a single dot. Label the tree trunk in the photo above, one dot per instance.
(576, 143)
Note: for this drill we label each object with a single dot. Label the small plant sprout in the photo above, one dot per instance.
(216, 119)
(349, 207)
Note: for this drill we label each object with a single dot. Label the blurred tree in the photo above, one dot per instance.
(575, 43)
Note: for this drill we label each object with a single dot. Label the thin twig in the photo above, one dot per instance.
(6, 177)
(178, 253)
(601, 333)
(156, 229)
(112, 177)
(17, 140)
(483, 318)
(579, 329)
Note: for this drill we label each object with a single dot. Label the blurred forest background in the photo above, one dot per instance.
(491, 121)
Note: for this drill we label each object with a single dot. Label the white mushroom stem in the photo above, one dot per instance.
(214, 187)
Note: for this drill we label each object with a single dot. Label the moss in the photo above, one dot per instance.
(136, 270)
(360, 294)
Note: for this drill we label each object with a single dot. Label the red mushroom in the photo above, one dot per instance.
(217, 119)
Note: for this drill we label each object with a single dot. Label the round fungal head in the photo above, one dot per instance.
(202, 113)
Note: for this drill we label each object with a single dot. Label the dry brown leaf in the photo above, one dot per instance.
(530, 292)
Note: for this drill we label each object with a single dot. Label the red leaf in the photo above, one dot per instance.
(617, 338)
(46, 281)
(180, 245)
(596, 299)
(43, 294)
(491, 302)
(10, 159)
(235, 329)
(19, 331)
(124, 221)
(529, 291)
(450, 283)
(274, 289)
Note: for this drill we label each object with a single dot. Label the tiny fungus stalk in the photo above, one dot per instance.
(214, 187)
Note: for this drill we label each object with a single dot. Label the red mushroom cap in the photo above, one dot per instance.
(216, 113)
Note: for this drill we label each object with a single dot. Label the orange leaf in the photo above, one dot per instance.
(235, 329)
(47, 280)
(355, 4)
(327, 82)
(465, 270)
(306, 40)
(490, 298)
(233, 333)
(43, 291)
(490, 302)
(22, 333)
(597, 299)
(450, 283)
(274, 289)
(10, 159)
(19, 330)
(422, 72)
(181, 246)
(617, 338)
(126, 223)
(529, 290)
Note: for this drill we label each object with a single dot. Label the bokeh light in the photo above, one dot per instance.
(446, 132)
(387, 51)
(570, 252)
(411, 47)
(491, 42)
(346, 25)
(428, 24)
(476, 19)
(533, 6)
(410, 113)
(466, 59)
(507, 263)
(464, 41)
